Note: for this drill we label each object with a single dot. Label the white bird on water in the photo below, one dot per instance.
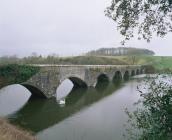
(62, 102)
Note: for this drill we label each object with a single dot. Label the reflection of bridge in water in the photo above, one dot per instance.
(40, 114)
(46, 81)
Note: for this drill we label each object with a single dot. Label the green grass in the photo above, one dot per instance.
(91, 60)
(163, 63)
(160, 63)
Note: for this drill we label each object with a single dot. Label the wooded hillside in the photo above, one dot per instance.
(121, 51)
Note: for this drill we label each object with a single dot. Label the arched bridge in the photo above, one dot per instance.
(46, 81)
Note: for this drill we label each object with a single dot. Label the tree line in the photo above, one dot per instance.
(55, 59)
(121, 51)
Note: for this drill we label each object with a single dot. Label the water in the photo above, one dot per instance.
(88, 114)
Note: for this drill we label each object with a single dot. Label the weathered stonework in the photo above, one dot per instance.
(45, 83)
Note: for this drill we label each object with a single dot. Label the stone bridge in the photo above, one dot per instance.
(45, 82)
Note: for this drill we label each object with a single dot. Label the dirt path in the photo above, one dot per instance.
(10, 132)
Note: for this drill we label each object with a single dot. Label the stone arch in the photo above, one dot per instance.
(102, 78)
(35, 92)
(117, 76)
(78, 82)
(126, 75)
(133, 73)
(137, 72)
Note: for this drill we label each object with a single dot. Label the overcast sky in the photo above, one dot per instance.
(64, 27)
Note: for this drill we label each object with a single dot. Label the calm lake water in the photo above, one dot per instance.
(88, 114)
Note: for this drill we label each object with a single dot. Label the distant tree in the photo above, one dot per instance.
(141, 17)
(53, 58)
(9, 59)
(121, 51)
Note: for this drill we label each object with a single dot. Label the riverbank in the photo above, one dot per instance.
(10, 132)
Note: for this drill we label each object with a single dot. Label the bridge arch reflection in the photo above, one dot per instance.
(126, 75)
(117, 76)
(137, 72)
(133, 73)
(75, 101)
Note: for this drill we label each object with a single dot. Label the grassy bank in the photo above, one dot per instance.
(159, 63)
(13, 73)
(10, 132)
(76, 60)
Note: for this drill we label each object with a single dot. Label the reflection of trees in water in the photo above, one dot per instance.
(117, 77)
(101, 86)
(39, 114)
(74, 96)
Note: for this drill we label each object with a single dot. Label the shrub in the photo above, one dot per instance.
(14, 73)
(153, 118)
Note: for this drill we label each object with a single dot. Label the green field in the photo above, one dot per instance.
(163, 62)
(158, 62)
